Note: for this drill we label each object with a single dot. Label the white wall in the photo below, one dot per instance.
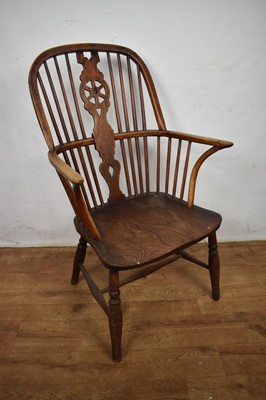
(208, 59)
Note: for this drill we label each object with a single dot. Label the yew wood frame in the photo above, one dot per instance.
(73, 181)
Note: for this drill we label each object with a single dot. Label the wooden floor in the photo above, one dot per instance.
(178, 343)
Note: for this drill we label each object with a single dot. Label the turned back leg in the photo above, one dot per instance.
(214, 266)
(78, 259)
(115, 317)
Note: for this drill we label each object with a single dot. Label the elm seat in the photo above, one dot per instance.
(130, 181)
(144, 229)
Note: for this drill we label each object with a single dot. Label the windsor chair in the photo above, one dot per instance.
(130, 181)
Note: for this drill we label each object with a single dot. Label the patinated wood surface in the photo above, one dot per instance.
(131, 182)
(144, 229)
(114, 86)
(178, 343)
(95, 94)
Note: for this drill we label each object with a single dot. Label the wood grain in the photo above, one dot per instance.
(161, 223)
(55, 338)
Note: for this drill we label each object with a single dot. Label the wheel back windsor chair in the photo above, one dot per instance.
(130, 181)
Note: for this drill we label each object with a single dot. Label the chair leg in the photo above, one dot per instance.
(78, 259)
(115, 317)
(214, 266)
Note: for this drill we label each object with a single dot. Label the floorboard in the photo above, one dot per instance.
(177, 342)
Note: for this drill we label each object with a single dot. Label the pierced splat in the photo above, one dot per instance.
(95, 94)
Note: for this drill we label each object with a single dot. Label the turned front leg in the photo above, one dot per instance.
(79, 259)
(214, 266)
(115, 317)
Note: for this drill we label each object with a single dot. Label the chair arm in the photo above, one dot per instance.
(72, 182)
(216, 144)
(200, 139)
(64, 169)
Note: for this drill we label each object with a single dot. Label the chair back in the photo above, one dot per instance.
(87, 95)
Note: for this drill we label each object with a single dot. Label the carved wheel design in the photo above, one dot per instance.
(96, 93)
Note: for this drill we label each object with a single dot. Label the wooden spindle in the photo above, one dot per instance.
(132, 163)
(139, 165)
(131, 158)
(168, 163)
(117, 113)
(119, 124)
(142, 105)
(178, 153)
(122, 87)
(135, 122)
(158, 169)
(185, 171)
(73, 88)
(146, 160)
(132, 95)
(124, 157)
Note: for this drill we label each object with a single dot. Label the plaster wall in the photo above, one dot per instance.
(208, 61)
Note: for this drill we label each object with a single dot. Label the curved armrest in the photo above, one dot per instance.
(201, 139)
(64, 169)
(69, 176)
(216, 145)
